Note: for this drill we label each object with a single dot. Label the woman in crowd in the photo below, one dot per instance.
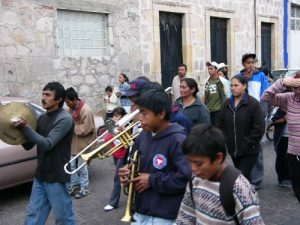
(118, 158)
(189, 103)
(242, 122)
(123, 87)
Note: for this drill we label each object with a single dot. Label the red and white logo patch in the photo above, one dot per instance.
(159, 161)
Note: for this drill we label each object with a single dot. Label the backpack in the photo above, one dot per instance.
(228, 178)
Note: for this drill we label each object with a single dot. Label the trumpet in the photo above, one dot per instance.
(104, 150)
(128, 215)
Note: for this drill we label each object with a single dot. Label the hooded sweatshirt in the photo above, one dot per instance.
(196, 112)
(257, 84)
(162, 158)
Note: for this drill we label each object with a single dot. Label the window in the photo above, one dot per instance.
(295, 17)
(81, 33)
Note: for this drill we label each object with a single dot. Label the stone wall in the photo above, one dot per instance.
(28, 49)
(29, 57)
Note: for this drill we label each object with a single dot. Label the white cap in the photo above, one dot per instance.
(222, 65)
(213, 64)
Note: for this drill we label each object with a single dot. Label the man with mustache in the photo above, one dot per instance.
(53, 138)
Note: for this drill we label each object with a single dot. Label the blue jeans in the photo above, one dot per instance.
(81, 178)
(46, 196)
(141, 219)
(115, 195)
(257, 173)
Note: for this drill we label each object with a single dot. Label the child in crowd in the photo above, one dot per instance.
(164, 170)
(118, 158)
(111, 101)
(204, 201)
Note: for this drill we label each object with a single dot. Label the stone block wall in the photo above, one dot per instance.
(28, 48)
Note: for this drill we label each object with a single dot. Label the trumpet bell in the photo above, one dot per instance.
(128, 217)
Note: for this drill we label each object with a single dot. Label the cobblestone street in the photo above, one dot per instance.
(278, 205)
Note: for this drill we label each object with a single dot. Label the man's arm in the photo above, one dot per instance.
(58, 132)
(274, 96)
(246, 202)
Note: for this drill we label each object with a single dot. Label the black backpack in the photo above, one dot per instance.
(228, 178)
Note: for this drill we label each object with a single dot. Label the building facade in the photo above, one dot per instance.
(87, 43)
(294, 34)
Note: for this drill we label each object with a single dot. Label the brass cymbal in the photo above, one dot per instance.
(8, 112)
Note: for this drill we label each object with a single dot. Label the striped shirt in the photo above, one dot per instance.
(291, 104)
(207, 207)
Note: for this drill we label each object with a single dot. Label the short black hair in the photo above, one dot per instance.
(59, 91)
(109, 89)
(204, 140)
(119, 111)
(71, 94)
(182, 65)
(157, 101)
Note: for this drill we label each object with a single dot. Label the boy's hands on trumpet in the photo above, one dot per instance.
(141, 182)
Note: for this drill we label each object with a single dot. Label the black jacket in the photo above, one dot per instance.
(242, 126)
(53, 138)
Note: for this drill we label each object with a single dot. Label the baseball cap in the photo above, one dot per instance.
(212, 64)
(248, 55)
(222, 65)
(135, 87)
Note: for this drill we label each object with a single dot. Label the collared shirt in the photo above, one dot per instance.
(175, 91)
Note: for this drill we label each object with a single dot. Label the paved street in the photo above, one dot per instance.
(278, 205)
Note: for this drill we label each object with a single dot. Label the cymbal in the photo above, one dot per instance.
(9, 112)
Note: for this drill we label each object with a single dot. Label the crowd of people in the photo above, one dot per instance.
(184, 139)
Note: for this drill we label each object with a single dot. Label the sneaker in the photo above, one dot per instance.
(108, 208)
(73, 190)
(285, 183)
(82, 193)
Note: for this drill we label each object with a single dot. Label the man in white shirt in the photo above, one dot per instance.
(182, 70)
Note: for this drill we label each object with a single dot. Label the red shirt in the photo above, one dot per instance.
(120, 154)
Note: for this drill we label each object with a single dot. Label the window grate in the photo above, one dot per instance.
(81, 33)
(295, 17)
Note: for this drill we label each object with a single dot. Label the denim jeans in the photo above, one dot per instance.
(257, 173)
(141, 219)
(81, 178)
(46, 196)
(115, 195)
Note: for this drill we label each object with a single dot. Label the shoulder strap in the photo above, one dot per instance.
(191, 190)
(228, 179)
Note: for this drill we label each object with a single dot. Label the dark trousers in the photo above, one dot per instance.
(215, 118)
(115, 195)
(294, 168)
(245, 164)
(281, 164)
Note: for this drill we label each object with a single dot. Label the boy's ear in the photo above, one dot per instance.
(162, 115)
(219, 157)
